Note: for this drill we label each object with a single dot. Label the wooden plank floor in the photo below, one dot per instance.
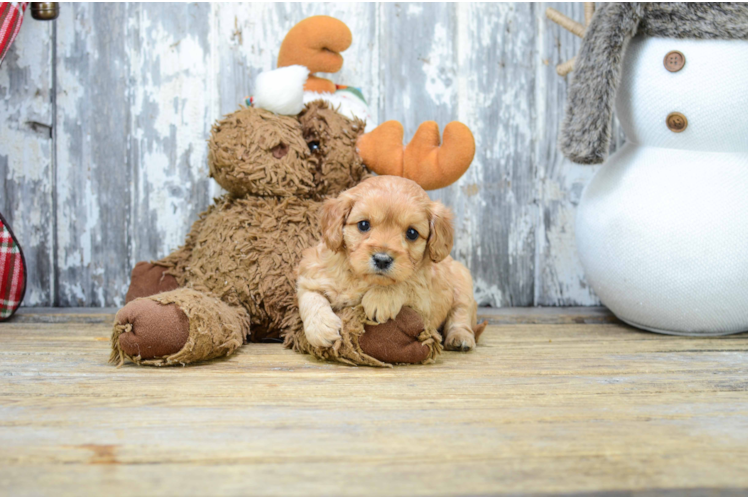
(570, 408)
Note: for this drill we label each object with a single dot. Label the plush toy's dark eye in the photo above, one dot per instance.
(313, 146)
(364, 226)
(280, 150)
(411, 234)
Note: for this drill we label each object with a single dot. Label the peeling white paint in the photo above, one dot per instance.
(439, 68)
(172, 102)
(558, 273)
(489, 73)
(74, 290)
(75, 248)
(26, 155)
(415, 9)
(487, 294)
(522, 230)
(563, 261)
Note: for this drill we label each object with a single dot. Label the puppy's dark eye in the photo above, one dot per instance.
(364, 226)
(313, 147)
(411, 234)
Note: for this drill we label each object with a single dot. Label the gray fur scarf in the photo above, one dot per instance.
(585, 132)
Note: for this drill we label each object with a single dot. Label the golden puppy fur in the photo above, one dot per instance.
(386, 245)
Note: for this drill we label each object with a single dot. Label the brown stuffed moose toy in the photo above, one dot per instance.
(233, 281)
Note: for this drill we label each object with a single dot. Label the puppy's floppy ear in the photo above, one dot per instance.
(334, 214)
(441, 232)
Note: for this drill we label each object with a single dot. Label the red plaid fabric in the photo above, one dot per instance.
(11, 17)
(12, 272)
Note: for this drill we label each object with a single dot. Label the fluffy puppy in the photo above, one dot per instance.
(386, 245)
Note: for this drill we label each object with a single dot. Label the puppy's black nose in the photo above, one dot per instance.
(382, 261)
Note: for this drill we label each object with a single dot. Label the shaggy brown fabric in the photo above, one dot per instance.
(238, 263)
(241, 156)
(215, 328)
(242, 145)
(244, 250)
(150, 329)
(245, 247)
(338, 166)
(149, 279)
(402, 333)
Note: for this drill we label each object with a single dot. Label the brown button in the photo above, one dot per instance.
(674, 61)
(676, 122)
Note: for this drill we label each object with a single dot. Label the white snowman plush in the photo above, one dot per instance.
(662, 228)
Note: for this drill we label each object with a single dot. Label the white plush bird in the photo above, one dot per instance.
(281, 90)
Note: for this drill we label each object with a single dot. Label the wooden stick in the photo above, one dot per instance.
(565, 68)
(565, 22)
(589, 10)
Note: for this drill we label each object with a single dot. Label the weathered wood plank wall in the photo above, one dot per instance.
(104, 117)
(26, 155)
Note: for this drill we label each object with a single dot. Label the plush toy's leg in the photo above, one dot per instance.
(177, 327)
(149, 279)
(401, 340)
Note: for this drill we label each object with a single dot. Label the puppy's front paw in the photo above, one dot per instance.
(323, 329)
(459, 340)
(380, 308)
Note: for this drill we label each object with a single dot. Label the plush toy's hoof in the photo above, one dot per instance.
(177, 328)
(149, 279)
(396, 341)
(399, 341)
(148, 329)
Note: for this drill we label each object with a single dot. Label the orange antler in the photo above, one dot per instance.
(423, 159)
(316, 43)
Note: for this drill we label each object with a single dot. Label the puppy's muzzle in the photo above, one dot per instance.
(381, 261)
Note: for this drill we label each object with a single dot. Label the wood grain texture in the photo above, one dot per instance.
(93, 178)
(26, 154)
(536, 409)
(559, 277)
(173, 104)
(495, 201)
(473, 63)
(418, 64)
(139, 85)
